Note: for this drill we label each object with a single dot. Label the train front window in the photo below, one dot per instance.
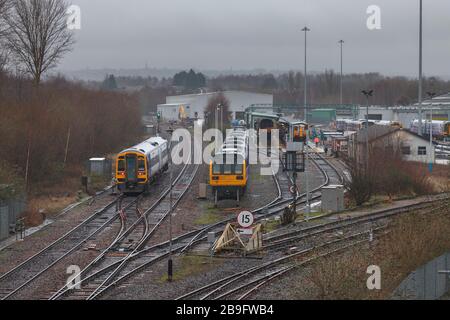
(141, 164)
(121, 165)
(216, 168)
(239, 168)
(227, 168)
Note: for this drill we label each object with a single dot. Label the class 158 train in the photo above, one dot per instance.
(138, 166)
(228, 172)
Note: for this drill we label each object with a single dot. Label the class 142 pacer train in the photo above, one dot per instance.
(228, 173)
(138, 166)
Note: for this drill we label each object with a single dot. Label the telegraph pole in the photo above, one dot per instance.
(341, 43)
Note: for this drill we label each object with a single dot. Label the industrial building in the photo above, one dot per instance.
(439, 106)
(412, 146)
(193, 106)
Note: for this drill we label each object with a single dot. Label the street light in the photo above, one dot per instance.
(341, 42)
(368, 94)
(170, 263)
(420, 70)
(305, 30)
(431, 95)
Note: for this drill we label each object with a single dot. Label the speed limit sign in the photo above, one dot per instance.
(292, 189)
(245, 219)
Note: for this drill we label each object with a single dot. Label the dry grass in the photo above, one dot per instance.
(413, 240)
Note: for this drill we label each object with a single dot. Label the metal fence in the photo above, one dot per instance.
(10, 211)
(428, 282)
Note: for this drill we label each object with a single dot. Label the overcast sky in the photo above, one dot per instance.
(248, 34)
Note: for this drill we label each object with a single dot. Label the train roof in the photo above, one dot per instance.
(147, 146)
(235, 144)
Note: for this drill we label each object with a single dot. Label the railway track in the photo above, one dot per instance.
(285, 239)
(128, 246)
(227, 287)
(120, 258)
(29, 270)
(143, 259)
(242, 284)
(132, 226)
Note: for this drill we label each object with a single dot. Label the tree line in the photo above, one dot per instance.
(288, 88)
(60, 125)
(50, 128)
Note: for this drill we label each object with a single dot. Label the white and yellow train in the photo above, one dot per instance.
(138, 166)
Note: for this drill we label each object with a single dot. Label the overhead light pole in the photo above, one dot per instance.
(368, 94)
(169, 262)
(420, 69)
(341, 42)
(305, 30)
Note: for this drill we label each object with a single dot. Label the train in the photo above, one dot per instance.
(299, 131)
(355, 125)
(228, 173)
(138, 166)
(395, 124)
(438, 128)
(447, 130)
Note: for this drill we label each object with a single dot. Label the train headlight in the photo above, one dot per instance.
(240, 178)
(215, 178)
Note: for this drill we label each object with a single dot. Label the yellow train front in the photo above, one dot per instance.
(299, 131)
(447, 130)
(228, 173)
(138, 166)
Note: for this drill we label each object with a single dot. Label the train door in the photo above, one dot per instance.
(131, 166)
(149, 168)
(160, 160)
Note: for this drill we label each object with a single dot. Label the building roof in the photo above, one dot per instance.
(441, 100)
(377, 132)
(193, 95)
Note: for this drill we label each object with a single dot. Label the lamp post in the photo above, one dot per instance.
(431, 95)
(341, 42)
(420, 69)
(170, 262)
(368, 94)
(305, 30)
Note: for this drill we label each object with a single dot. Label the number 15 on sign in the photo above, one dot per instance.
(245, 219)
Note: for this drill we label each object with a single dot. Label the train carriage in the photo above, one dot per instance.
(138, 166)
(228, 174)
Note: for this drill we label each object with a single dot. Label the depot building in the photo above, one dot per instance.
(192, 106)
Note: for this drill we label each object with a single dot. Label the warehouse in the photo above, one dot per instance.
(412, 146)
(406, 114)
(193, 106)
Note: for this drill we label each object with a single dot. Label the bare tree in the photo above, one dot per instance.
(217, 109)
(5, 6)
(38, 36)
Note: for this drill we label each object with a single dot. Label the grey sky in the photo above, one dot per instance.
(247, 34)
